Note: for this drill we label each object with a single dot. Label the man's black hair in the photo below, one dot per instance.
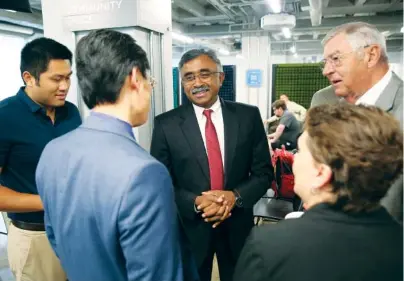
(104, 58)
(36, 55)
(194, 53)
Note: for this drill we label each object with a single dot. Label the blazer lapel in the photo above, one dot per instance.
(192, 133)
(386, 99)
(230, 122)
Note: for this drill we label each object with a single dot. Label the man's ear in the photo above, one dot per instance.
(28, 79)
(134, 78)
(374, 55)
(221, 77)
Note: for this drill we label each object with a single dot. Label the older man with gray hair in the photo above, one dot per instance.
(356, 63)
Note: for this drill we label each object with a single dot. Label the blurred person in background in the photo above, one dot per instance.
(295, 108)
(288, 128)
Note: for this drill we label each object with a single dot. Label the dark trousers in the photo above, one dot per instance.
(288, 145)
(225, 258)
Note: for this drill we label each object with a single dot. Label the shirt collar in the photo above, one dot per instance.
(34, 107)
(373, 94)
(119, 125)
(215, 108)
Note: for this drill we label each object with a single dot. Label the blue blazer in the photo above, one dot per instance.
(109, 206)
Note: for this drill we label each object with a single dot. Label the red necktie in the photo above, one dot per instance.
(214, 154)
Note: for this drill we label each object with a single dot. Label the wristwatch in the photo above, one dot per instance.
(239, 199)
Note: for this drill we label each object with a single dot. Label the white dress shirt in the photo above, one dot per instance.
(373, 94)
(217, 119)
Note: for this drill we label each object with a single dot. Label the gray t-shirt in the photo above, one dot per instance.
(292, 128)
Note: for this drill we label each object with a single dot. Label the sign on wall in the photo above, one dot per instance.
(254, 78)
(81, 15)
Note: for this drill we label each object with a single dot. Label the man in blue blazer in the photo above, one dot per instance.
(109, 206)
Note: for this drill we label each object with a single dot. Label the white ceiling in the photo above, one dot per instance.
(217, 20)
(222, 22)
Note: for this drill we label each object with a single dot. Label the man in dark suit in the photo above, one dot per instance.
(218, 157)
(357, 66)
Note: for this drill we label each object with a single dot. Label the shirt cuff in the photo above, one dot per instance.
(196, 209)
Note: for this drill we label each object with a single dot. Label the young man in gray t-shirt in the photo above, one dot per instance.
(288, 129)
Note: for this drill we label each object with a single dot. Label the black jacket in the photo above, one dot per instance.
(178, 144)
(325, 244)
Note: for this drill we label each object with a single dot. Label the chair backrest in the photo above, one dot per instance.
(282, 161)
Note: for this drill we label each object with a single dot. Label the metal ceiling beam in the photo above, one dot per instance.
(177, 27)
(320, 51)
(315, 44)
(359, 2)
(301, 49)
(213, 44)
(217, 18)
(260, 10)
(175, 15)
(191, 6)
(222, 8)
(239, 3)
(32, 20)
(368, 8)
(382, 22)
(302, 25)
(316, 12)
(35, 4)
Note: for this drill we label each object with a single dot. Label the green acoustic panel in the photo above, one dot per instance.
(298, 81)
(176, 86)
(228, 89)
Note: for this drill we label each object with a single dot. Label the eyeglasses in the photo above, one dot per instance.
(152, 81)
(337, 59)
(203, 76)
(334, 60)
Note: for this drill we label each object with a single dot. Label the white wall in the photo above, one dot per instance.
(396, 63)
(10, 76)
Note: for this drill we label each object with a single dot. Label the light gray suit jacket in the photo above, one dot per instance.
(391, 100)
(324, 96)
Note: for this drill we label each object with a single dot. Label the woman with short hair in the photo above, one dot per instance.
(348, 157)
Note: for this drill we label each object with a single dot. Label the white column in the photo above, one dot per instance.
(256, 52)
(54, 28)
(62, 17)
(68, 20)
